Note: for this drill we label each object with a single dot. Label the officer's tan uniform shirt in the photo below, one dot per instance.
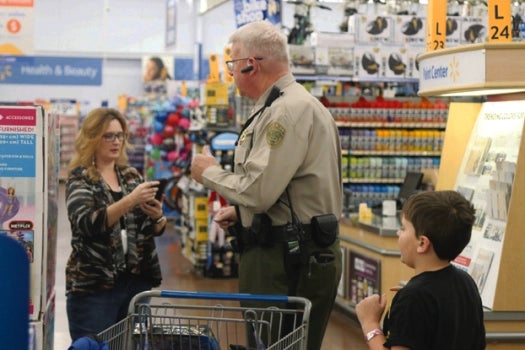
(294, 143)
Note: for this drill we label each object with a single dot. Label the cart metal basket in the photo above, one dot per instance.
(158, 320)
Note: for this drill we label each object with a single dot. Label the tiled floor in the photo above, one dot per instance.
(343, 333)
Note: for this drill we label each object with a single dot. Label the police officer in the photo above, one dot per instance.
(287, 171)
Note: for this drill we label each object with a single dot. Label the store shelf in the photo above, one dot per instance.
(380, 145)
(397, 181)
(395, 153)
(68, 132)
(392, 125)
(315, 77)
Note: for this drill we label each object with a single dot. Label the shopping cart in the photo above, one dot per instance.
(275, 322)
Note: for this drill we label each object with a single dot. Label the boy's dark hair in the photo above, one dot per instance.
(445, 217)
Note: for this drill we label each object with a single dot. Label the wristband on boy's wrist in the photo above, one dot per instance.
(370, 335)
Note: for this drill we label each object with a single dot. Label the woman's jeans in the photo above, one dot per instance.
(90, 314)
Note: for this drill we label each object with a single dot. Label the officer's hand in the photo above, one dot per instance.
(225, 217)
(201, 162)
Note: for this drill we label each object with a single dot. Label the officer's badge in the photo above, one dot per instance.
(275, 134)
(242, 138)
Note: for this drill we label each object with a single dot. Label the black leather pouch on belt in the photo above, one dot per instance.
(325, 229)
(262, 229)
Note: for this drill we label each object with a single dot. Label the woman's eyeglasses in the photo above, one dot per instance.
(111, 136)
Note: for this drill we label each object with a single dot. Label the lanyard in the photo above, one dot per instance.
(272, 96)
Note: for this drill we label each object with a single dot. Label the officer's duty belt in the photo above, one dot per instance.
(278, 234)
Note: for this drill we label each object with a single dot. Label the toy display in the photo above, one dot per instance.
(176, 125)
(162, 134)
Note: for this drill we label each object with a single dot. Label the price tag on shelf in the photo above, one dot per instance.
(500, 21)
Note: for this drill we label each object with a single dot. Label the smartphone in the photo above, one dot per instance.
(161, 188)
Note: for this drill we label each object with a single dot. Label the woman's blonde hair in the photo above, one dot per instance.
(89, 137)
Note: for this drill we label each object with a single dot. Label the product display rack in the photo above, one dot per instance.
(194, 227)
(69, 120)
(505, 321)
(205, 244)
(68, 133)
(380, 145)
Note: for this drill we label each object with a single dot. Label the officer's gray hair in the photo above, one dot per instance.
(262, 39)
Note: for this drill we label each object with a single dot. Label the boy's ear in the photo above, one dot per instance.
(424, 244)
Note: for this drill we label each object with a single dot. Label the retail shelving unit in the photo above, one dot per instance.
(68, 132)
(381, 145)
(194, 227)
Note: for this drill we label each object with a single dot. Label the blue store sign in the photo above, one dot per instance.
(247, 11)
(50, 70)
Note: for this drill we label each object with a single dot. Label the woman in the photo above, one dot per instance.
(114, 218)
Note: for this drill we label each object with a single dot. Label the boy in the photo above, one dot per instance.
(440, 307)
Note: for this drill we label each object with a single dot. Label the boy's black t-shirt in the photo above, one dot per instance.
(437, 310)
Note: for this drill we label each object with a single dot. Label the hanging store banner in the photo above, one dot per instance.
(16, 27)
(247, 11)
(50, 70)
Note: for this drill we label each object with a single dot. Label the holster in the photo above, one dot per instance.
(259, 233)
(325, 229)
(261, 230)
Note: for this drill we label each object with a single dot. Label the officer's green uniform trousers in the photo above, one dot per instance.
(262, 271)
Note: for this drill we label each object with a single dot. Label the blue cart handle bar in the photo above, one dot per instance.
(218, 296)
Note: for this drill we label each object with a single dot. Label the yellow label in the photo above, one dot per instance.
(214, 69)
(228, 78)
(500, 21)
(436, 25)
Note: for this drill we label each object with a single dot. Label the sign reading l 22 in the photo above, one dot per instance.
(50, 70)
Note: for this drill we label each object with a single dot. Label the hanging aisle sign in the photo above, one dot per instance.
(500, 19)
(436, 25)
(50, 70)
(247, 11)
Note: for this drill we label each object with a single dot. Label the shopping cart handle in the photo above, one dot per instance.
(223, 296)
(307, 305)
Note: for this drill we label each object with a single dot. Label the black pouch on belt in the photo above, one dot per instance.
(262, 229)
(325, 229)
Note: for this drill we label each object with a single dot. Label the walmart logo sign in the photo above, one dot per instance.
(444, 71)
(435, 72)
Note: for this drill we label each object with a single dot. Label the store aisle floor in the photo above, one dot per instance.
(343, 333)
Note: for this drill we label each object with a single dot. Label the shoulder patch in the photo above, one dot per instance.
(275, 134)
